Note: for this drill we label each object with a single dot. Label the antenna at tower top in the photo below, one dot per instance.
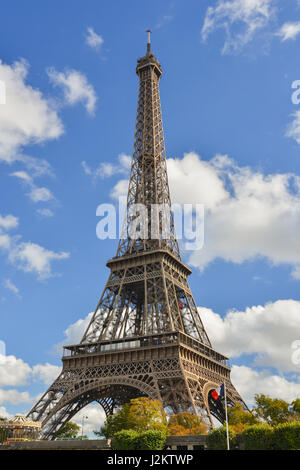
(148, 31)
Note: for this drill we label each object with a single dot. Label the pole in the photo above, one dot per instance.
(84, 417)
(226, 417)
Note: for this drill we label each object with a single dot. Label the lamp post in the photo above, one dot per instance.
(83, 418)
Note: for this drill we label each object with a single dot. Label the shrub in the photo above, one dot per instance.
(217, 439)
(151, 440)
(258, 437)
(129, 439)
(287, 436)
(125, 440)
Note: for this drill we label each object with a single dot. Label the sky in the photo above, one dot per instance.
(231, 113)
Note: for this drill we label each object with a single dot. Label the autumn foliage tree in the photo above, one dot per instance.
(186, 423)
(140, 414)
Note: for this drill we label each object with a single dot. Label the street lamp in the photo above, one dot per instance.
(83, 418)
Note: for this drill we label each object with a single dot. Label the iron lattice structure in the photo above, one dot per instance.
(146, 337)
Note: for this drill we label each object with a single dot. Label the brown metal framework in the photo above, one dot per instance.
(146, 336)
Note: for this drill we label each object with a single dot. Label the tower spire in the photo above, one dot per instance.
(148, 31)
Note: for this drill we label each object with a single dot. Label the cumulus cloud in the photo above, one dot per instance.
(76, 88)
(31, 257)
(74, 332)
(46, 373)
(27, 117)
(27, 256)
(264, 332)
(106, 170)
(8, 222)
(93, 39)
(250, 382)
(4, 413)
(241, 20)
(248, 214)
(15, 397)
(13, 371)
(289, 30)
(36, 194)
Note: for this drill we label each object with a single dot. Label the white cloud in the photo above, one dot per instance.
(27, 256)
(106, 170)
(76, 88)
(119, 190)
(248, 215)
(250, 382)
(14, 397)
(9, 285)
(289, 30)
(184, 177)
(264, 332)
(241, 20)
(27, 117)
(13, 371)
(31, 257)
(93, 39)
(36, 194)
(46, 373)
(4, 413)
(8, 222)
(45, 212)
(40, 194)
(74, 332)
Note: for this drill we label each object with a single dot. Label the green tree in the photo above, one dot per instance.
(273, 411)
(140, 414)
(68, 431)
(296, 406)
(239, 419)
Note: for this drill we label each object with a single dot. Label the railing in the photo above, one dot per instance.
(145, 342)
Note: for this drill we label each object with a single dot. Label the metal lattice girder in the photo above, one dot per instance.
(146, 337)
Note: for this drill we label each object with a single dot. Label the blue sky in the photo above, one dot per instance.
(232, 139)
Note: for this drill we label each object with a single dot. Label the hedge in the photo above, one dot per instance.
(125, 440)
(217, 439)
(287, 436)
(128, 439)
(258, 437)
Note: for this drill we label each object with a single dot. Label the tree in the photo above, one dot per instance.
(68, 431)
(140, 414)
(296, 406)
(186, 423)
(239, 419)
(271, 410)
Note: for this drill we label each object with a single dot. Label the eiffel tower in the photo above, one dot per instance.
(146, 337)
